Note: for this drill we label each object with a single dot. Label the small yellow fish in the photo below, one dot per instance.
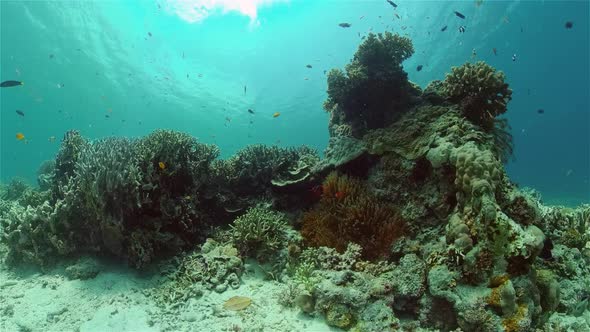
(276, 114)
(20, 136)
(162, 165)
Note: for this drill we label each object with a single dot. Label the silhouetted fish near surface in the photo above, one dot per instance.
(459, 15)
(250, 111)
(19, 112)
(569, 25)
(308, 66)
(149, 34)
(345, 25)
(541, 111)
(419, 68)
(8, 84)
(444, 28)
(392, 3)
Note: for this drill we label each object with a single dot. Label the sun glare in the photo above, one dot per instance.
(197, 10)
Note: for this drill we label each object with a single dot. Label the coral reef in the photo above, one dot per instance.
(215, 267)
(348, 213)
(374, 91)
(480, 90)
(409, 222)
(260, 233)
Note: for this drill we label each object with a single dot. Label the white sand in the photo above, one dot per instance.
(113, 301)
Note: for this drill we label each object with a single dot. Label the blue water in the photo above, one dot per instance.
(84, 61)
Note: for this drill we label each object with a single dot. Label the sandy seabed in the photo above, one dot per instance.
(114, 301)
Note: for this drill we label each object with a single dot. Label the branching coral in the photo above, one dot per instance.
(72, 145)
(260, 232)
(374, 90)
(348, 213)
(481, 91)
(134, 199)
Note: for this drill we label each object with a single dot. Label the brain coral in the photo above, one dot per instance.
(481, 90)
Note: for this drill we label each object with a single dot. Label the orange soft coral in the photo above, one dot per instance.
(346, 213)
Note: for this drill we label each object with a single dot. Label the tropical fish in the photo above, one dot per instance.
(251, 111)
(8, 84)
(276, 114)
(459, 15)
(514, 57)
(396, 15)
(462, 29)
(149, 34)
(392, 3)
(540, 111)
(19, 112)
(345, 25)
(419, 68)
(237, 303)
(162, 165)
(20, 136)
(569, 24)
(308, 66)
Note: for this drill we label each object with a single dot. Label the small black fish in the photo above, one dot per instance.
(244, 85)
(392, 3)
(541, 111)
(569, 24)
(419, 68)
(107, 116)
(345, 25)
(546, 251)
(308, 66)
(444, 28)
(8, 84)
(250, 111)
(459, 15)
(149, 34)
(19, 112)
(461, 29)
